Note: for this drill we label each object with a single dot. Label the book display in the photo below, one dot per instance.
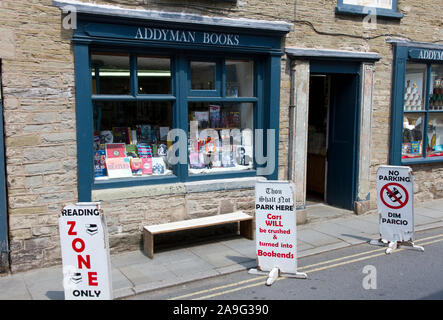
(125, 152)
(226, 146)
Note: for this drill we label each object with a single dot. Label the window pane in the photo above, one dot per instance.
(436, 88)
(131, 138)
(221, 137)
(435, 135)
(412, 135)
(154, 75)
(239, 78)
(202, 75)
(114, 73)
(415, 84)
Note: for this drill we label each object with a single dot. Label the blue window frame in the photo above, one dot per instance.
(385, 9)
(93, 35)
(417, 104)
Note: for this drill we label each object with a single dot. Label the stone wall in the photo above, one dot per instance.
(39, 112)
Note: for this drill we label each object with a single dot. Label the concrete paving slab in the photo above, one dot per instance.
(342, 232)
(315, 238)
(192, 265)
(430, 212)
(421, 219)
(322, 211)
(301, 245)
(119, 280)
(141, 273)
(128, 258)
(45, 284)
(244, 247)
(359, 224)
(215, 254)
(14, 288)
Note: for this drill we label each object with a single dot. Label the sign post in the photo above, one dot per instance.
(395, 203)
(276, 224)
(85, 252)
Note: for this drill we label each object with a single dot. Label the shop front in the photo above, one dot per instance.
(177, 115)
(417, 104)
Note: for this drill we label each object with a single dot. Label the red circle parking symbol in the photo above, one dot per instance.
(394, 195)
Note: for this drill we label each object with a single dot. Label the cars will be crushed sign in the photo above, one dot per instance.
(85, 252)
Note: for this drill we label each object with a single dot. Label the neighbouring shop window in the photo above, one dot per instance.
(135, 105)
(423, 111)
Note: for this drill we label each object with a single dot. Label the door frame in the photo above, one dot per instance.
(4, 247)
(303, 61)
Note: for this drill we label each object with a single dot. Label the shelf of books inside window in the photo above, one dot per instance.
(126, 152)
(217, 143)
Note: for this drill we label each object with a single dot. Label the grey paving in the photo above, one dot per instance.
(133, 272)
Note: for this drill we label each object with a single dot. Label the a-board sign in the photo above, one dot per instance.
(85, 252)
(276, 239)
(395, 202)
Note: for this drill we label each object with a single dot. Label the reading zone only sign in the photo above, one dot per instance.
(395, 193)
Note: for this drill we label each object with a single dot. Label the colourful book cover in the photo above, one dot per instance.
(146, 165)
(137, 166)
(214, 116)
(99, 163)
(118, 167)
(115, 150)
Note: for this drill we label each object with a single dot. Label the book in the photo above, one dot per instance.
(115, 150)
(214, 116)
(131, 151)
(122, 134)
(136, 166)
(99, 163)
(203, 118)
(118, 167)
(164, 133)
(158, 165)
(146, 165)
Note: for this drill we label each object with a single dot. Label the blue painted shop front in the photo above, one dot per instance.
(186, 47)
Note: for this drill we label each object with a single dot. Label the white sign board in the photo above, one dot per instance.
(395, 202)
(383, 4)
(276, 222)
(85, 252)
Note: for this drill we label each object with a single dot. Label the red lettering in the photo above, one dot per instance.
(92, 279)
(82, 245)
(71, 228)
(86, 263)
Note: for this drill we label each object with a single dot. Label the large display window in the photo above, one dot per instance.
(418, 101)
(131, 130)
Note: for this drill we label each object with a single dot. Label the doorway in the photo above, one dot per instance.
(332, 139)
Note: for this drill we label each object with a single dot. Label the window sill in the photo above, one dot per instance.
(179, 188)
(421, 160)
(358, 10)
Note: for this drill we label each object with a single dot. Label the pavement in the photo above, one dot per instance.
(327, 229)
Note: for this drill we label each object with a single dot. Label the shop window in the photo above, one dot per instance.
(110, 73)
(203, 75)
(239, 78)
(135, 105)
(423, 112)
(154, 75)
(380, 8)
(220, 137)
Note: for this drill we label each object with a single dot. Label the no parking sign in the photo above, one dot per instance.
(395, 193)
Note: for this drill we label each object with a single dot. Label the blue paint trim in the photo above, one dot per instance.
(347, 9)
(4, 246)
(331, 66)
(84, 115)
(273, 102)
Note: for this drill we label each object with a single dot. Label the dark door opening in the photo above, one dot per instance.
(332, 139)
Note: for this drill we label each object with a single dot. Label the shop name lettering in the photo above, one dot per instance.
(187, 36)
(431, 55)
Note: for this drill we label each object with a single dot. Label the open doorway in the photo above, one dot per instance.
(319, 97)
(332, 140)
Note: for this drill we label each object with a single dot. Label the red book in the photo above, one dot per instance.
(115, 150)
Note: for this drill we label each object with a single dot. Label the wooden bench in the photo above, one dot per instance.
(238, 216)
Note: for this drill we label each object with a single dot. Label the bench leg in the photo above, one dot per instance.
(148, 244)
(246, 229)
